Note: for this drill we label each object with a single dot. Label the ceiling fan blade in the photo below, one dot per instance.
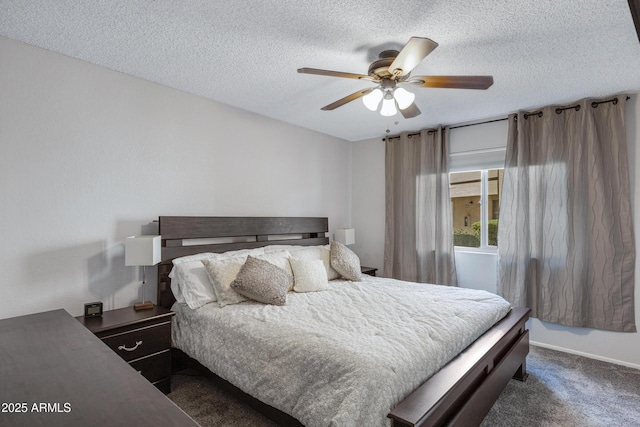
(335, 74)
(416, 49)
(453, 82)
(411, 111)
(346, 99)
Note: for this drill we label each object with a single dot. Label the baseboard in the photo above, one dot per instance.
(589, 355)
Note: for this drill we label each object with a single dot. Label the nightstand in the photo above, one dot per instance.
(368, 270)
(142, 338)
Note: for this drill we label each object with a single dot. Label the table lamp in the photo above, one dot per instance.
(346, 236)
(142, 251)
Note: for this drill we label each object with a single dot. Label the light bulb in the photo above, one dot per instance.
(372, 99)
(404, 98)
(388, 107)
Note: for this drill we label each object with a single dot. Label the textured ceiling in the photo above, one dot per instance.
(246, 53)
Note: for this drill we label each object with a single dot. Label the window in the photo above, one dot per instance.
(475, 205)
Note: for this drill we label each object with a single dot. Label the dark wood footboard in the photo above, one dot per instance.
(463, 392)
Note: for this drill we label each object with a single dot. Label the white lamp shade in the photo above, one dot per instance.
(388, 107)
(372, 99)
(346, 236)
(142, 250)
(403, 97)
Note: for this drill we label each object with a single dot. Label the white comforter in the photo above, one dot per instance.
(343, 357)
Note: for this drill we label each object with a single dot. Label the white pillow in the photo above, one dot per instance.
(175, 286)
(309, 275)
(241, 252)
(190, 284)
(196, 257)
(317, 252)
(209, 255)
(277, 248)
(177, 280)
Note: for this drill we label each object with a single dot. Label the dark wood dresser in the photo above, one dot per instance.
(54, 371)
(142, 338)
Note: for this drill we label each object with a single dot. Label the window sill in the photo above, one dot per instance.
(487, 250)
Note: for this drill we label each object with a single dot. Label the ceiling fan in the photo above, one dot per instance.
(393, 69)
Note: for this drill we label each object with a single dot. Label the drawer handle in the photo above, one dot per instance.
(124, 347)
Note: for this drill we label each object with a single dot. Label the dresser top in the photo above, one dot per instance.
(67, 376)
(124, 317)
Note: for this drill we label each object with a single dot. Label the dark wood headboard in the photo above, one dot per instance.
(228, 234)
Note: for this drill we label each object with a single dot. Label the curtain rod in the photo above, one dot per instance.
(576, 107)
(594, 104)
(451, 127)
(479, 123)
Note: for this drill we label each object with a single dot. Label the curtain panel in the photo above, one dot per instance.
(418, 224)
(565, 235)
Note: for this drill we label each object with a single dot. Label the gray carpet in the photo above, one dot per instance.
(569, 390)
(562, 390)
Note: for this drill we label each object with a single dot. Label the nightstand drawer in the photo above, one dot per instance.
(140, 342)
(142, 338)
(154, 367)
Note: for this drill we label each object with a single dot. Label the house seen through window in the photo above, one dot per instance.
(475, 205)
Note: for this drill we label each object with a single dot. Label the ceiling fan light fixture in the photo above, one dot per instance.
(388, 107)
(393, 68)
(372, 99)
(403, 97)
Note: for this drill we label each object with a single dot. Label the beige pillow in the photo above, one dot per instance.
(309, 275)
(345, 262)
(222, 272)
(262, 281)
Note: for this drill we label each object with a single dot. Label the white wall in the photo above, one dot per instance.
(479, 270)
(89, 156)
(368, 201)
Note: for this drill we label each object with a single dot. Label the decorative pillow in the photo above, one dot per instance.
(279, 259)
(221, 273)
(190, 284)
(262, 281)
(309, 275)
(317, 252)
(345, 262)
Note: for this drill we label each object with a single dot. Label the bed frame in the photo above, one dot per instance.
(460, 394)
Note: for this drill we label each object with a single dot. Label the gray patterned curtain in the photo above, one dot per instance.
(418, 229)
(565, 235)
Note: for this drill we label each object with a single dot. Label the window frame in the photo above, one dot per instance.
(484, 212)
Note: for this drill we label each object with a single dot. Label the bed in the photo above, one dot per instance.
(423, 390)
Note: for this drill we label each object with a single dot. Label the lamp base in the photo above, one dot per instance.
(147, 305)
